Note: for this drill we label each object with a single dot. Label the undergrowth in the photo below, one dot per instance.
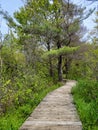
(14, 117)
(86, 99)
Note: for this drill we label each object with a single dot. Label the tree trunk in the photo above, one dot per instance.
(59, 64)
(60, 68)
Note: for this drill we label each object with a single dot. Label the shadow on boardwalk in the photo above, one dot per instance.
(55, 112)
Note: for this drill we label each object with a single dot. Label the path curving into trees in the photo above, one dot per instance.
(55, 112)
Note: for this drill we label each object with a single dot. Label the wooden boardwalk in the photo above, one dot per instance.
(55, 112)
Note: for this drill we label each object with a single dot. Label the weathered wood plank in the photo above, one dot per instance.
(55, 112)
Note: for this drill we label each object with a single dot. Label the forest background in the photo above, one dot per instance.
(44, 46)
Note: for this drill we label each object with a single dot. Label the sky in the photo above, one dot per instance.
(13, 5)
(10, 6)
(89, 22)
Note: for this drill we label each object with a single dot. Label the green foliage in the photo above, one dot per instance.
(62, 51)
(14, 118)
(86, 100)
(84, 63)
(24, 78)
(22, 85)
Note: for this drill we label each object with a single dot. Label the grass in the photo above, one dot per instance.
(86, 99)
(14, 118)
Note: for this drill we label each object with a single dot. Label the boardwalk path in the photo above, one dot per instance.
(55, 112)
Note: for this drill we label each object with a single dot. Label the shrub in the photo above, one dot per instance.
(86, 99)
